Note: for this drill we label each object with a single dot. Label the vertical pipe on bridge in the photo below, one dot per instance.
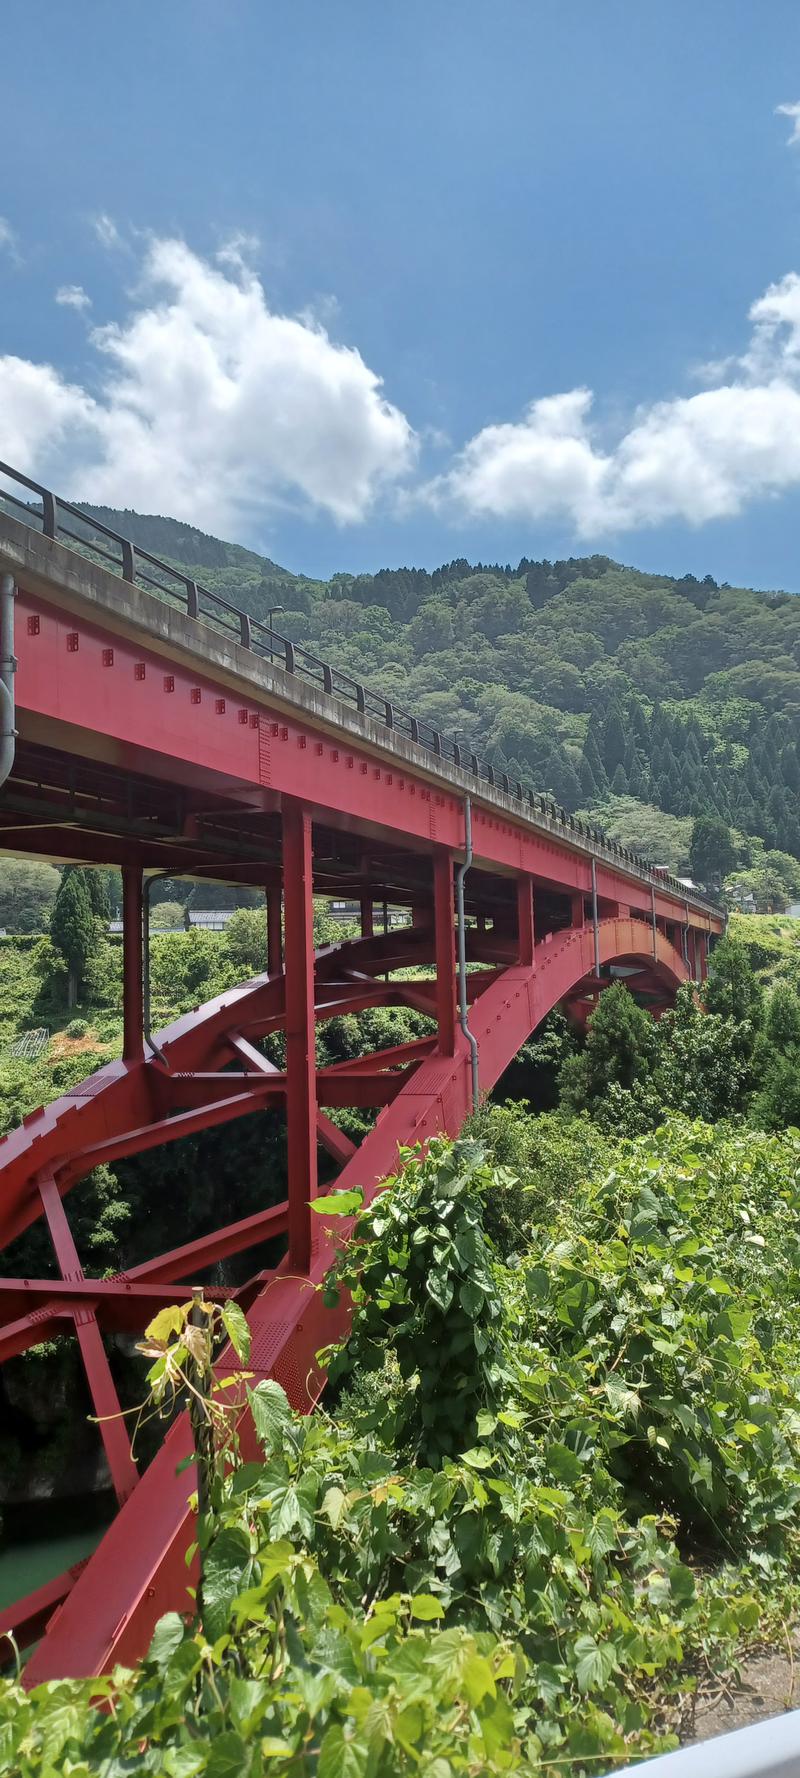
(691, 952)
(274, 937)
(8, 667)
(595, 924)
(463, 1004)
(132, 983)
(701, 945)
(444, 931)
(301, 1075)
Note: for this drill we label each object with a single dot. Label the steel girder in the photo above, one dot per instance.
(104, 1610)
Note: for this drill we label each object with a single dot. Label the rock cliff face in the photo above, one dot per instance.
(49, 1449)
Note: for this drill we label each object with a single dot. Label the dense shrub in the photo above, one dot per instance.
(522, 1605)
(538, 1163)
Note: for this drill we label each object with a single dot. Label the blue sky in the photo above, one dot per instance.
(430, 216)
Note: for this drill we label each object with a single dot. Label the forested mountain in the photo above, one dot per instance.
(616, 691)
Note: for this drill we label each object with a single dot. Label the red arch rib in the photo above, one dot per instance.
(138, 1571)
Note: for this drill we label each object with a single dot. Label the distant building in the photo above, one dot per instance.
(351, 910)
(207, 919)
(665, 870)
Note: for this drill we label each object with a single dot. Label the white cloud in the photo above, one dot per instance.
(106, 230)
(792, 111)
(73, 296)
(42, 416)
(205, 402)
(211, 406)
(8, 241)
(692, 458)
(239, 250)
(542, 465)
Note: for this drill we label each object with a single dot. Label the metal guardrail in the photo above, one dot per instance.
(768, 1749)
(57, 519)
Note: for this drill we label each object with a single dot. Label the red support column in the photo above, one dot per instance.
(525, 921)
(445, 952)
(365, 909)
(274, 941)
(301, 1075)
(105, 1400)
(132, 994)
(576, 909)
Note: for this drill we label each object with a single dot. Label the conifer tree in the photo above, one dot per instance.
(712, 854)
(782, 1023)
(588, 783)
(637, 725)
(619, 782)
(656, 725)
(631, 757)
(732, 989)
(619, 1049)
(666, 794)
(613, 739)
(97, 886)
(563, 780)
(591, 753)
(790, 768)
(691, 753)
(72, 928)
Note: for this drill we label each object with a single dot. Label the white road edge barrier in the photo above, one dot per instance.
(768, 1749)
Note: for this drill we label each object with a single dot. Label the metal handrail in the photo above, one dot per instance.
(263, 640)
(768, 1749)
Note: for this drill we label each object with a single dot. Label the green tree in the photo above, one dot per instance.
(99, 888)
(619, 782)
(712, 854)
(777, 1104)
(587, 783)
(246, 941)
(776, 1063)
(166, 914)
(613, 740)
(782, 1022)
(591, 754)
(73, 930)
(562, 779)
(700, 1070)
(27, 893)
(620, 1046)
(732, 989)
(790, 768)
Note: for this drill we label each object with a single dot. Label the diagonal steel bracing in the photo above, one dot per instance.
(213, 1072)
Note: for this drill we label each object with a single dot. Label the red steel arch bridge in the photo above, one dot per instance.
(160, 729)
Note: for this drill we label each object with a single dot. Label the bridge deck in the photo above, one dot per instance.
(161, 738)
